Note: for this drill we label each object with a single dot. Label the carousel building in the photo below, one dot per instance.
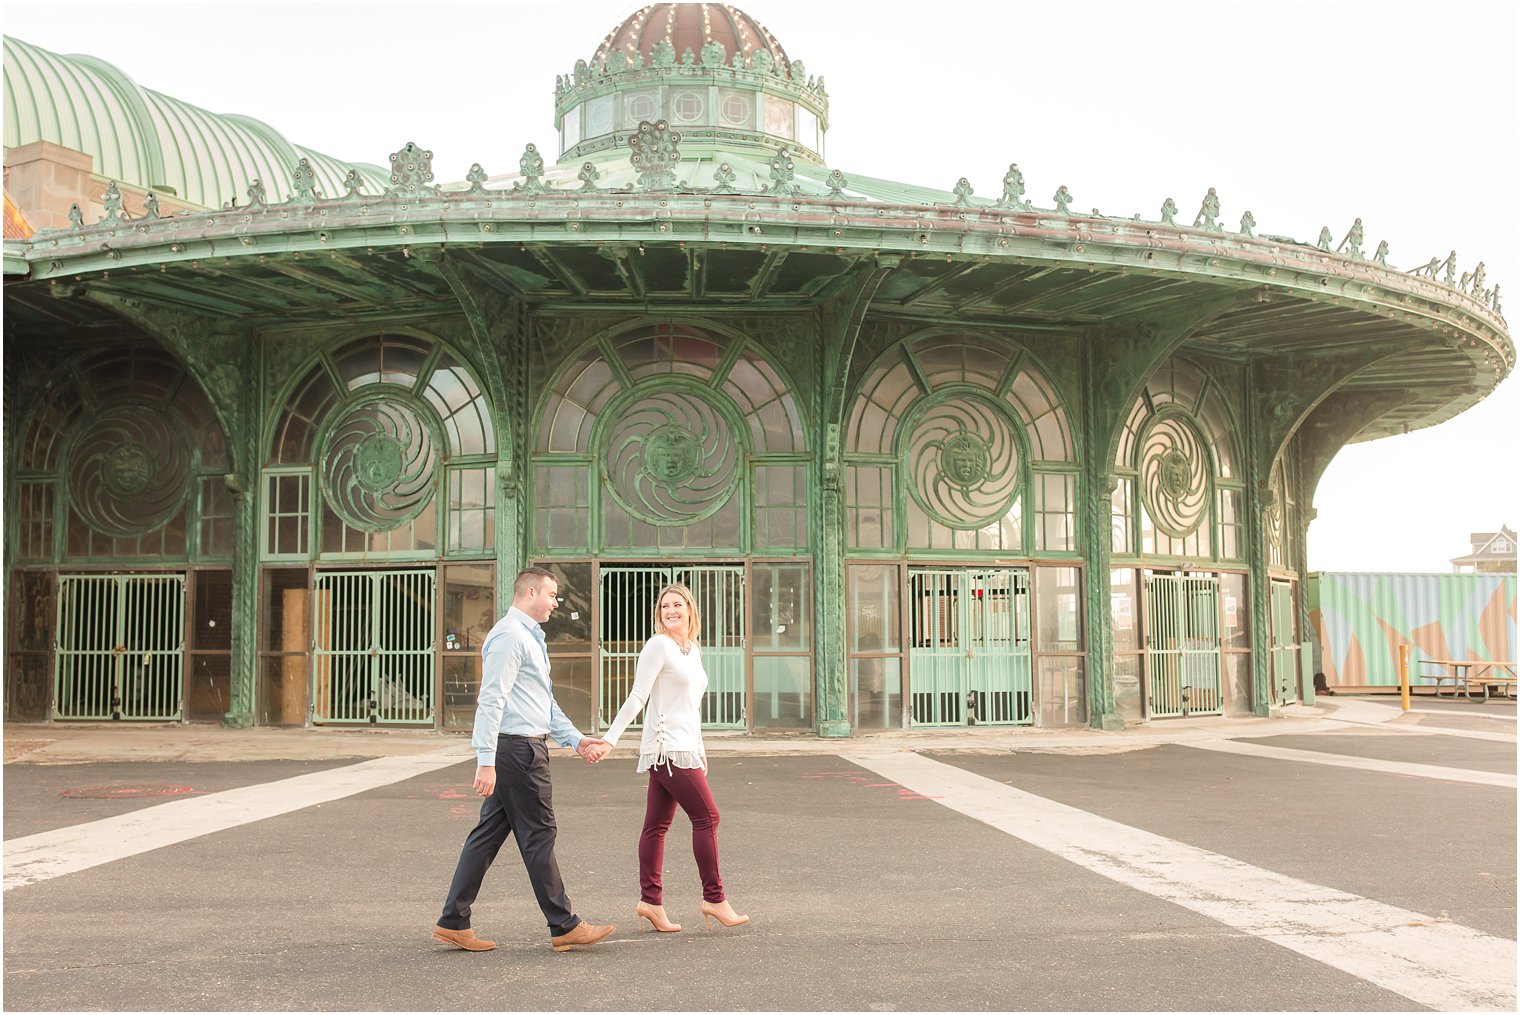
(279, 430)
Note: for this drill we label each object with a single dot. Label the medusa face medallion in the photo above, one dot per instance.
(963, 457)
(672, 457)
(1173, 477)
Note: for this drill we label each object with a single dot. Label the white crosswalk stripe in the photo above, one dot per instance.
(1439, 964)
(1253, 749)
(33, 858)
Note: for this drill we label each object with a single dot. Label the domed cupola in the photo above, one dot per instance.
(713, 72)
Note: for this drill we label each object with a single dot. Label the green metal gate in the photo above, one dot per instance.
(969, 663)
(373, 657)
(119, 648)
(627, 598)
(1182, 656)
(1284, 648)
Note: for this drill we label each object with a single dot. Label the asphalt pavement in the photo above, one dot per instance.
(864, 894)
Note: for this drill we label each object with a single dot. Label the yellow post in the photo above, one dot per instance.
(1404, 676)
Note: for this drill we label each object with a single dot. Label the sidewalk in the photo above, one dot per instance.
(78, 743)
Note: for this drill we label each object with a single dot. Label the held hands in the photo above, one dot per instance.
(593, 749)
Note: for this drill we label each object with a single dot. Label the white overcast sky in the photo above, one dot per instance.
(1306, 114)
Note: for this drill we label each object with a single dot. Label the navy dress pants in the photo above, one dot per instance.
(523, 803)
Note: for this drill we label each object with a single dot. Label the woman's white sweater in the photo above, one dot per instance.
(672, 684)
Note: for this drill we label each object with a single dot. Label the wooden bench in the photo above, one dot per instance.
(1464, 675)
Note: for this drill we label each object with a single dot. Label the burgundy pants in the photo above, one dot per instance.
(688, 788)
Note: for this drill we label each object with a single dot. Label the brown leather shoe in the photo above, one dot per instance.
(465, 939)
(583, 934)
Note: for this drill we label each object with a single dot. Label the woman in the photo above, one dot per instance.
(671, 680)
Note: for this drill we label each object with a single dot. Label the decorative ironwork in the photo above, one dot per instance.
(150, 207)
(531, 165)
(129, 470)
(378, 464)
(724, 178)
(1352, 244)
(1169, 212)
(1173, 477)
(1013, 189)
(837, 183)
(304, 184)
(963, 457)
(352, 183)
(655, 154)
(411, 172)
(76, 217)
(1381, 257)
(476, 178)
(256, 194)
(1208, 213)
(672, 457)
(588, 176)
(112, 201)
(1325, 241)
(962, 192)
(783, 175)
(1063, 200)
(1247, 223)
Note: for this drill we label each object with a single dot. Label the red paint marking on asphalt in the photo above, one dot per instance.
(453, 793)
(462, 809)
(126, 791)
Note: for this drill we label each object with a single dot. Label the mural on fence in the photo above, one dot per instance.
(1360, 621)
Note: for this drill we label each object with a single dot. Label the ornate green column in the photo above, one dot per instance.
(840, 321)
(500, 339)
(1113, 359)
(831, 651)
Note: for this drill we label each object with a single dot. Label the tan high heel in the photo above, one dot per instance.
(724, 913)
(656, 917)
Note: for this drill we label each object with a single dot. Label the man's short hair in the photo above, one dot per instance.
(531, 578)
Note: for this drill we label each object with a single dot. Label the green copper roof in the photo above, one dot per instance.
(149, 140)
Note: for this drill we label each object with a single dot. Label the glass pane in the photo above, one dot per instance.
(1124, 610)
(1237, 616)
(461, 686)
(32, 611)
(1059, 609)
(782, 605)
(210, 686)
(282, 690)
(783, 691)
(573, 678)
(30, 686)
(875, 608)
(287, 611)
(212, 619)
(570, 624)
(1127, 688)
(469, 606)
(1237, 683)
(876, 693)
(1062, 692)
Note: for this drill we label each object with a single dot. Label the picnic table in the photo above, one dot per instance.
(1465, 674)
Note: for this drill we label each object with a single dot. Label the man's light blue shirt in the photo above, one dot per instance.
(516, 694)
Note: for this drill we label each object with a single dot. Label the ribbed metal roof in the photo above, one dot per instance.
(147, 139)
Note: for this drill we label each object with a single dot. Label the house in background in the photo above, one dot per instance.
(1492, 553)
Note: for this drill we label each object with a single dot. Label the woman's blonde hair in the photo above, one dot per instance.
(693, 616)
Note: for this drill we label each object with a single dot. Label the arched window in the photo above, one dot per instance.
(123, 459)
(670, 437)
(384, 448)
(1178, 488)
(972, 433)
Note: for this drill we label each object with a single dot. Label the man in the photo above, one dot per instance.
(515, 713)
